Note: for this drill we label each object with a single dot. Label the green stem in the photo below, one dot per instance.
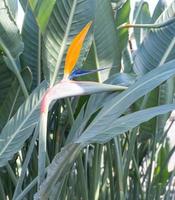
(27, 189)
(39, 59)
(16, 71)
(25, 165)
(159, 25)
(130, 151)
(138, 177)
(70, 111)
(110, 168)
(12, 174)
(2, 191)
(82, 179)
(151, 169)
(119, 169)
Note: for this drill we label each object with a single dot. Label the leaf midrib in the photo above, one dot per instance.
(19, 127)
(101, 115)
(63, 45)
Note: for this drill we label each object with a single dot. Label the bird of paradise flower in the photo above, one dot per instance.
(66, 88)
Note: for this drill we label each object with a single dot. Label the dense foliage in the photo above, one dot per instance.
(110, 145)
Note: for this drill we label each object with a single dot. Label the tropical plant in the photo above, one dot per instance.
(59, 139)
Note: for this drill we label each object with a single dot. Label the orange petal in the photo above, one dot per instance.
(74, 50)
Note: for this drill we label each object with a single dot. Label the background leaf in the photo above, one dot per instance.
(39, 8)
(118, 105)
(154, 46)
(21, 125)
(69, 18)
(31, 37)
(14, 97)
(105, 44)
(120, 126)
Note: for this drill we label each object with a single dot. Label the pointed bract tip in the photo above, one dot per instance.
(74, 49)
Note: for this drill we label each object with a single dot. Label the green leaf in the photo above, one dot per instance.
(21, 125)
(14, 97)
(23, 4)
(153, 49)
(148, 56)
(160, 7)
(122, 16)
(9, 34)
(66, 21)
(90, 64)
(95, 103)
(124, 124)
(30, 36)
(143, 17)
(6, 77)
(11, 43)
(13, 7)
(106, 39)
(117, 106)
(39, 8)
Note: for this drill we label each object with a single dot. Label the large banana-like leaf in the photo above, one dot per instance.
(150, 54)
(114, 108)
(126, 123)
(21, 125)
(66, 21)
(39, 8)
(155, 44)
(106, 39)
(142, 17)
(31, 38)
(95, 103)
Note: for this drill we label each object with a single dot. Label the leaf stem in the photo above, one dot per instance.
(12, 174)
(27, 189)
(39, 58)
(159, 25)
(25, 165)
(118, 157)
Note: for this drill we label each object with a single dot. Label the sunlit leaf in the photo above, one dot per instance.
(39, 8)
